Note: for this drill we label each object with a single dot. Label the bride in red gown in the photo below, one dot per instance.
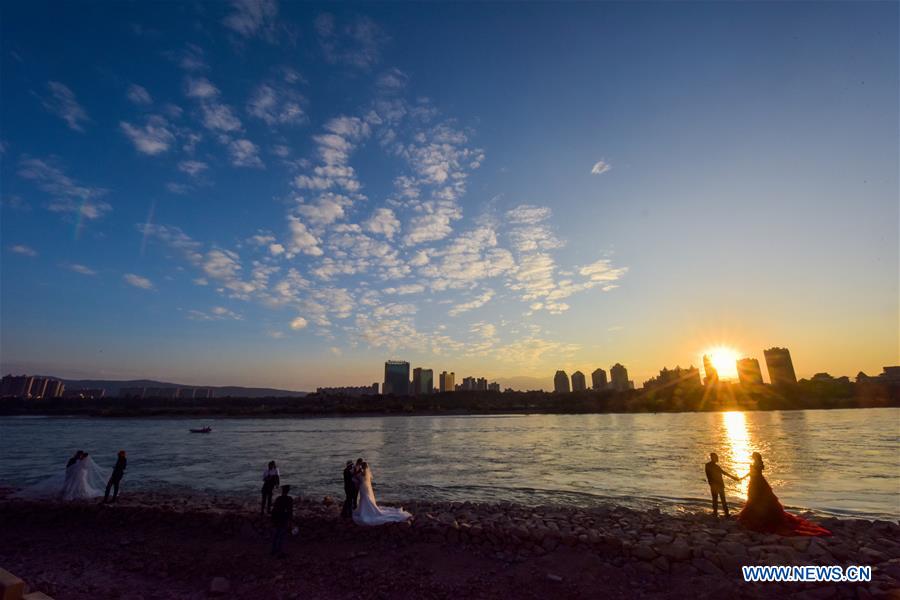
(764, 513)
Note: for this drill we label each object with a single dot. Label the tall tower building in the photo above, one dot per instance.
(396, 378)
(39, 387)
(423, 381)
(780, 366)
(619, 377)
(578, 383)
(748, 371)
(598, 379)
(18, 386)
(561, 383)
(712, 375)
(447, 381)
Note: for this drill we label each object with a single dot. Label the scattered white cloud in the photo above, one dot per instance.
(81, 269)
(68, 195)
(392, 80)
(602, 271)
(473, 304)
(357, 43)
(139, 95)
(298, 323)
(250, 18)
(600, 167)
(62, 103)
(138, 281)
(402, 290)
(200, 87)
(277, 105)
(220, 117)
(245, 153)
(216, 313)
(153, 138)
(23, 250)
(192, 167)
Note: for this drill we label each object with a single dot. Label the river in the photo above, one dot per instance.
(840, 462)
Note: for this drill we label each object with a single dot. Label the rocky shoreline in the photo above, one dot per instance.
(158, 545)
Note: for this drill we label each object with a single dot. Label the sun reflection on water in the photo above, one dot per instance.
(739, 446)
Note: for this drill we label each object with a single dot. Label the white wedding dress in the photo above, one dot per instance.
(369, 513)
(82, 481)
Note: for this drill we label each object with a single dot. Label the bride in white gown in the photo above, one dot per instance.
(368, 512)
(82, 480)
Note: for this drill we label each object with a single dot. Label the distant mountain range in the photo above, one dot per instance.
(112, 387)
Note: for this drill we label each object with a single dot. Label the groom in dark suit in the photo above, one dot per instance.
(351, 491)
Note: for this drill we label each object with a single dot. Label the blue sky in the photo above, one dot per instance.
(288, 194)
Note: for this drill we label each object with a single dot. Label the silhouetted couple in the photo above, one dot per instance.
(351, 489)
(762, 512)
(359, 501)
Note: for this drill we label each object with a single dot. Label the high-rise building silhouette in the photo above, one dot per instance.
(447, 381)
(55, 388)
(619, 378)
(712, 375)
(748, 371)
(469, 384)
(39, 387)
(29, 386)
(780, 366)
(494, 387)
(578, 382)
(598, 379)
(17, 385)
(396, 378)
(677, 377)
(423, 381)
(561, 383)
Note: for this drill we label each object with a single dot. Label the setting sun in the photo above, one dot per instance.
(724, 360)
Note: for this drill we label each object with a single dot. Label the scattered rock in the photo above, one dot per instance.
(219, 586)
(643, 552)
(678, 551)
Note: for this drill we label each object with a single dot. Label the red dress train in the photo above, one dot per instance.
(764, 513)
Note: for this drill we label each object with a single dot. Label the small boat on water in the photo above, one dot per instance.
(202, 430)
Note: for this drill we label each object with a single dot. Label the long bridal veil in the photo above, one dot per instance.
(369, 513)
(85, 479)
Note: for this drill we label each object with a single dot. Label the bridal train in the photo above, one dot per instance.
(368, 512)
(82, 480)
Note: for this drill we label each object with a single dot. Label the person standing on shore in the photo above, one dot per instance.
(351, 492)
(271, 480)
(117, 474)
(282, 514)
(714, 475)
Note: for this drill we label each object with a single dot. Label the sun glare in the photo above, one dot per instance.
(724, 360)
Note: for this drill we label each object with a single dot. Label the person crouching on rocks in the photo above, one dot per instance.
(282, 515)
(271, 480)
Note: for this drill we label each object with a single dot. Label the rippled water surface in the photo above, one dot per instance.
(839, 461)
